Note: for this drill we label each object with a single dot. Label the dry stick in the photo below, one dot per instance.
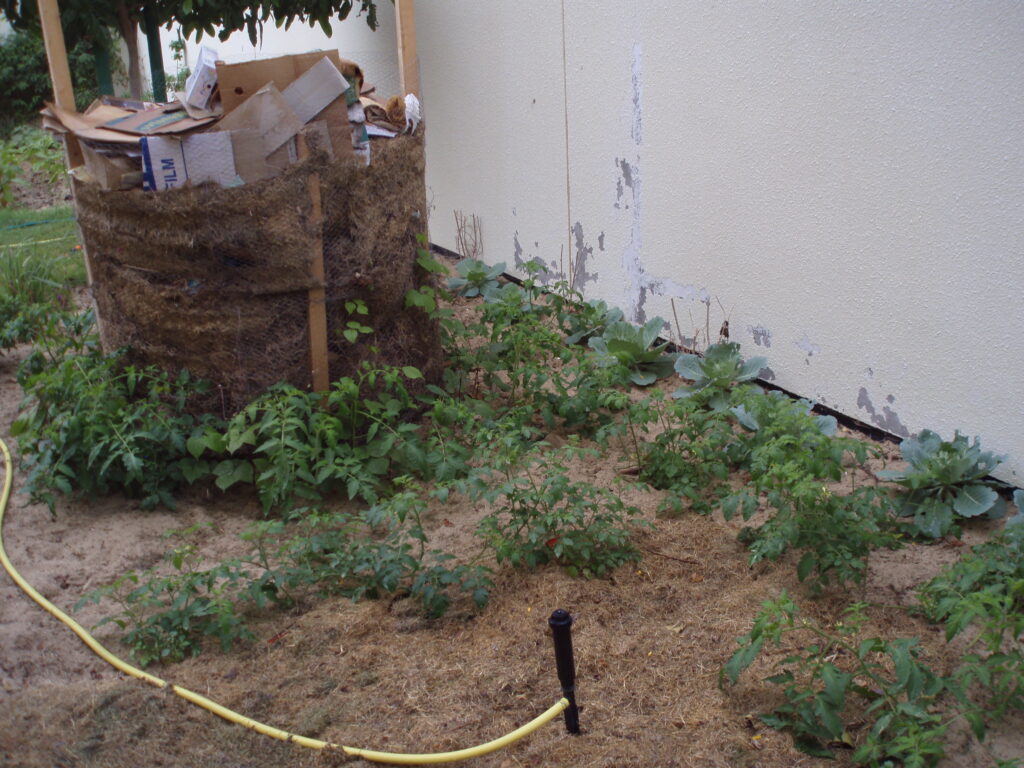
(679, 329)
(672, 557)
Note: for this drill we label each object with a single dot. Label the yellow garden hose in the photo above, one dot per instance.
(234, 717)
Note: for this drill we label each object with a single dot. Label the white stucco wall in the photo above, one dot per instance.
(845, 181)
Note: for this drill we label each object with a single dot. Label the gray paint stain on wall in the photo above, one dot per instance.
(761, 335)
(545, 275)
(583, 251)
(887, 419)
(808, 346)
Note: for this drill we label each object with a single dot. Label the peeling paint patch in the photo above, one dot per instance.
(638, 90)
(545, 275)
(762, 336)
(580, 276)
(767, 374)
(627, 172)
(600, 242)
(887, 419)
(808, 347)
(890, 399)
(869, 372)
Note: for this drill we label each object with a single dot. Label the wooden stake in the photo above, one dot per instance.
(408, 63)
(60, 73)
(319, 372)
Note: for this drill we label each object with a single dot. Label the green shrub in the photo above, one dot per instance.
(25, 78)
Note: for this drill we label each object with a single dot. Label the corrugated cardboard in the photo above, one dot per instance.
(238, 82)
(315, 89)
(267, 113)
(87, 126)
(169, 161)
(111, 171)
(167, 118)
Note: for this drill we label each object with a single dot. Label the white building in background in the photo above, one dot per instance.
(843, 182)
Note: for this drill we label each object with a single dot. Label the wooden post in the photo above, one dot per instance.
(408, 62)
(60, 73)
(319, 372)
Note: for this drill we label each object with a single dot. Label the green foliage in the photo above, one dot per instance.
(475, 278)
(985, 591)
(692, 454)
(542, 516)
(381, 551)
(295, 449)
(946, 480)
(354, 328)
(791, 461)
(634, 349)
(92, 425)
(585, 320)
(716, 373)
(167, 616)
(25, 79)
(834, 675)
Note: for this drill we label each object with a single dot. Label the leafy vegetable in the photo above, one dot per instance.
(634, 348)
(946, 479)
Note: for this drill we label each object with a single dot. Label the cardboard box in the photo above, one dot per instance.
(111, 171)
(201, 84)
(237, 82)
(312, 92)
(267, 113)
(169, 161)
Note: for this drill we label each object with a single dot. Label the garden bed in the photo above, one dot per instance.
(651, 638)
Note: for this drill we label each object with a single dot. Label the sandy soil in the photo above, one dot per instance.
(649, 643)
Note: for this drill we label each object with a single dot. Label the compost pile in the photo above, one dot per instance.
(222, 277)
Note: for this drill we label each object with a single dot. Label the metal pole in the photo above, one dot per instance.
(561, 630)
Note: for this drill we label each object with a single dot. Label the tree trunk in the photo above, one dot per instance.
(129, 31)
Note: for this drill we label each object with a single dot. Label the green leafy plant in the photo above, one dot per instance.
(354, 328)
(984, 591)
(634, 349)
(295, 449)
(584, 320)
(791, 462)
(380, 551)
(93, 425)
(691, 453)
(945, 480)
(542, 516)
(834, 675)
(716, 373)
(475, 278)
(166, 617)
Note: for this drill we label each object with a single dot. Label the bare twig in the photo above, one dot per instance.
(671, 557)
